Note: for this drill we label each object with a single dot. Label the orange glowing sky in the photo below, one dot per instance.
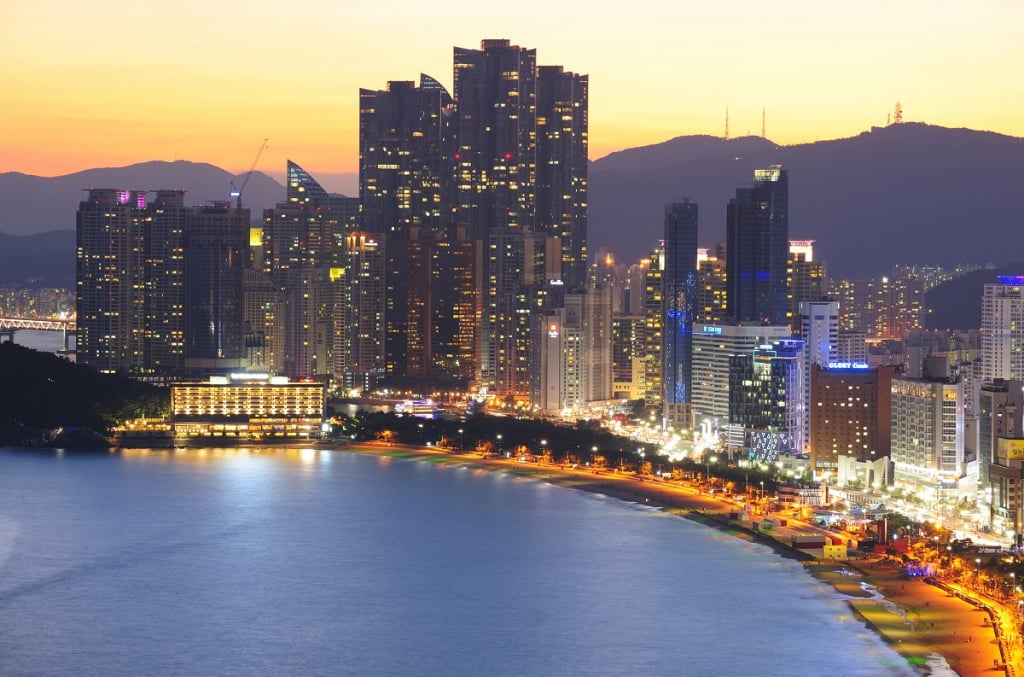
(110, 83)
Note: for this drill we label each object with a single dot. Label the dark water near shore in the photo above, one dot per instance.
(323, 563)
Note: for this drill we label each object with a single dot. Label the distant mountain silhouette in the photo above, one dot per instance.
(908, 193)
(957, 304)
(37, 224)
(36, 204)
(43, 260)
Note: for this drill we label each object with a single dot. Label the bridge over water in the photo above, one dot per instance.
(9, 325)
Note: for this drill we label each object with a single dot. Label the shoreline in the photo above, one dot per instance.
(934, 630)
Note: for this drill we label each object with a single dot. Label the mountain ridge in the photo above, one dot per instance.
(35, 204)
(906, 193)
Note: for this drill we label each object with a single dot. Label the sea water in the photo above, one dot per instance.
(303, 562)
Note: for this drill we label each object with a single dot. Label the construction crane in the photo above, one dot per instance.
(237, 192)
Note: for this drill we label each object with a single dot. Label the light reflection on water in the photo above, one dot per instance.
(299, 561)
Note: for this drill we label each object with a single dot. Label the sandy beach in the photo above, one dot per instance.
(927, 624)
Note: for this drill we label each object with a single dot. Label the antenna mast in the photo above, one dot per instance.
(763, 136)
(727, 123)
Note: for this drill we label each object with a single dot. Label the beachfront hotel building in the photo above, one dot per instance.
(247, 405)
(927, 441)
(850, 414)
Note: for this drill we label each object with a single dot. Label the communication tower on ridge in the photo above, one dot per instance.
(897, 117)
(763, 135)
(726, 123)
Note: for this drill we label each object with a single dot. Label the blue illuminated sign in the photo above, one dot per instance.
(849, 365)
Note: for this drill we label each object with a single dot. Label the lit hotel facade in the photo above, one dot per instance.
(247, 405)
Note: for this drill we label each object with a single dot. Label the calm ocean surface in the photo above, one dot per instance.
(288, 562)
(46, 341)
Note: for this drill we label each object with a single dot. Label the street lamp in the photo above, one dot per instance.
(461, 445)
(499, 444)
(708, 460)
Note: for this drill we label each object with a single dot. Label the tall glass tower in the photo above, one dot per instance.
(562, 167)
(405, 156)
(496, 157)
(679, 295)
(757, 246)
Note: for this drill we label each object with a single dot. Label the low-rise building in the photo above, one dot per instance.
(247, 405)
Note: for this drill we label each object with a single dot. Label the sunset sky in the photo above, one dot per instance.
(110, 83)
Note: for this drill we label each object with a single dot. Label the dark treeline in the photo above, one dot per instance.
(40, 392)
(584, 442)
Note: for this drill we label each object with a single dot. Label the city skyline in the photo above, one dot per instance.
(208, 86)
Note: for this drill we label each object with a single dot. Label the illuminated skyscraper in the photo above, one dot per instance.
(405, 156)
(711, 288)
(819, 329)
(654, 324)
(481, 197)
(757, 246)
(520, 158)
(1002, 329)
(160, 284)
(627, 354)
(520, 267)
(164, 344)
(363, 324)
(562, 129)
(679, 297)
(807, 280)
(216, 253)
(303, 254)
(896, 306)
(264, 324)
(496, 130)
(302, 188)
(712, 346)
(572, 352)
(852, 295)
(455, 290)
(766, 398)
(111, 231)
